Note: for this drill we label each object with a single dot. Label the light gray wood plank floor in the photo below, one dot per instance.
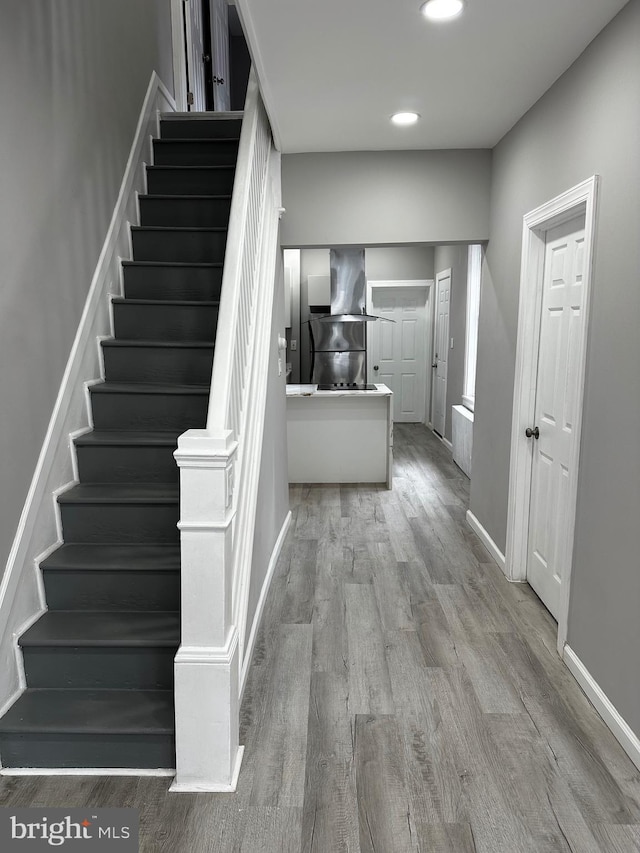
(402, 697)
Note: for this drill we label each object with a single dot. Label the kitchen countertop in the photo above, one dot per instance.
(312, 391)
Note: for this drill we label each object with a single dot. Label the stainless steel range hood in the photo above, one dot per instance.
(338, 339)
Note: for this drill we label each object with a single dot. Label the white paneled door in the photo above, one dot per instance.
(397, 352)
(441, 351)
(195, 41)
(220, 57)
(553, 432)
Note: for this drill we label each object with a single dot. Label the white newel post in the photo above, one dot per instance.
(208, 754)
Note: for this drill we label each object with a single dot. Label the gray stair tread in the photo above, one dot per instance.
(177, 196)
(175, 264)
(181, 229)
(128, 438)
(147, 388)
(218, 115)
(198, 139)
(124, 342)
(107, 629)
(191, 168)
(167, 303)
(91, 712)
(83, 557)
(121, 493)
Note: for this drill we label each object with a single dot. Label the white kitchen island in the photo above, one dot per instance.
(339, 436)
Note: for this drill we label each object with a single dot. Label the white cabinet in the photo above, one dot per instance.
(339, 437)
(319, 289)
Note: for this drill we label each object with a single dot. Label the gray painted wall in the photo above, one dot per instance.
(455, 258)
(385, 197)
(399, 263)
(273, 488)
(588, 122)
(73, 76)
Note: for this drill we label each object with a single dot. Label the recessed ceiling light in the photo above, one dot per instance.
(442, 10)
(405, 118)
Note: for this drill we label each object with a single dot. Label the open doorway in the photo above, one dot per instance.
(441, 346)
(210, 56)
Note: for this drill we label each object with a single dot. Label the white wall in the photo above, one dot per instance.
(273, 489)
(587, 123)
(73, 75)
(372, 198)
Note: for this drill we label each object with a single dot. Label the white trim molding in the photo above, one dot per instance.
(486, 540)
(581, 199)
(178, 48)
(620, 729)
(206, 667)
(273, 562)
(39, 528)
(253, 43)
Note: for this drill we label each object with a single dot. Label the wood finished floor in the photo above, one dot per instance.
(402, 697)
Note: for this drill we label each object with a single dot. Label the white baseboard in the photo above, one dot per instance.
(440, 438)
(39, 525)
(486, 540)
(180, 788)
(627, 739)
(273, 562)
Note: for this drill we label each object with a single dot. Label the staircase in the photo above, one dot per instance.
(99, 661)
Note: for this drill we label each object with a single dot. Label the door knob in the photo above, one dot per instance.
(375, 367)
(532, 433)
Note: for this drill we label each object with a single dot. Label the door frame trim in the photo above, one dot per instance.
(178, 47)
(413, 282)
(580, 199)
(441, 274)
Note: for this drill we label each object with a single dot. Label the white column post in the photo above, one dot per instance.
(208, 755)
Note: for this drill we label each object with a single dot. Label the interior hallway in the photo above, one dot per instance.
(403, 696)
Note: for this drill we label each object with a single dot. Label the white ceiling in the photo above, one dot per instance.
(333, 71)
